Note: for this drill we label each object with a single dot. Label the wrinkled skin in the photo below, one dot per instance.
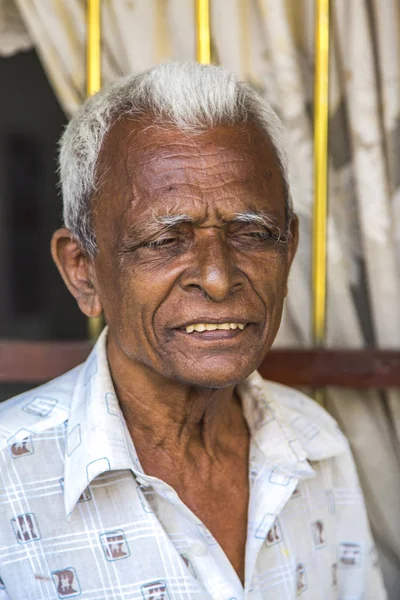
(176, 389)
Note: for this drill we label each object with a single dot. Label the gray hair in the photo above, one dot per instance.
(189, 96)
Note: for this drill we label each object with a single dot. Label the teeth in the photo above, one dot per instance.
(213, 326)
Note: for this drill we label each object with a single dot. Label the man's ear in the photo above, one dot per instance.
(293, 245)
(76, 269)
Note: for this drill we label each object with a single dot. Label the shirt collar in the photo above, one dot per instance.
(288, 427)
(97, 439)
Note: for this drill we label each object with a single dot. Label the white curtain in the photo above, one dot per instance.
(270, 43)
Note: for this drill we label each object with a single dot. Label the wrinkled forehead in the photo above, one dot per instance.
(136, 144)
(143, 160)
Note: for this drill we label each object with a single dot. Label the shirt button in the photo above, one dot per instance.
(198, 549)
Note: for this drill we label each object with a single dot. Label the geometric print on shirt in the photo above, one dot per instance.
(80, 518)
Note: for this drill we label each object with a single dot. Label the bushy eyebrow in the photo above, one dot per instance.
(155, 224)
(265, 220)
(255, 218)
(160, 223)
(251, 217)
(261, 219)
(169, 220)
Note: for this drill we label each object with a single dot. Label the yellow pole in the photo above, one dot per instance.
(93, 84)
(93, 47)
(203, 37)
(320, 212)
(321, 105)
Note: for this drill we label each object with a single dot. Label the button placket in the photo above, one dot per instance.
(264, 513)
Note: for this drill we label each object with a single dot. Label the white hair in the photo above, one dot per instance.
(189, 96)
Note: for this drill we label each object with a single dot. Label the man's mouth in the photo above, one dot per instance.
(201, 327)
(218, 331)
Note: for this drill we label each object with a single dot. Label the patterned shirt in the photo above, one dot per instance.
(79, 517)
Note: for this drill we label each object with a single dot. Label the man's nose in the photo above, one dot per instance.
(214, 271)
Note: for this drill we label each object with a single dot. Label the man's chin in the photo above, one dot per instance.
(217, 375)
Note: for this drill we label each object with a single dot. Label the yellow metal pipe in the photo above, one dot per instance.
(203, 36)
(93, 84)
(162, 42)
(93, 47)
(244, 13)
(321, 106)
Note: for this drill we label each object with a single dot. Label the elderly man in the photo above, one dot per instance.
(164, 467)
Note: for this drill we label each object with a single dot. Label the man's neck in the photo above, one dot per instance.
(173, 420)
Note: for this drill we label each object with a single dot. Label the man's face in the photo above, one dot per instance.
(176, 252)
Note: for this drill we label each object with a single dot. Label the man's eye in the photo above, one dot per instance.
(161, 243)
(264, 235)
